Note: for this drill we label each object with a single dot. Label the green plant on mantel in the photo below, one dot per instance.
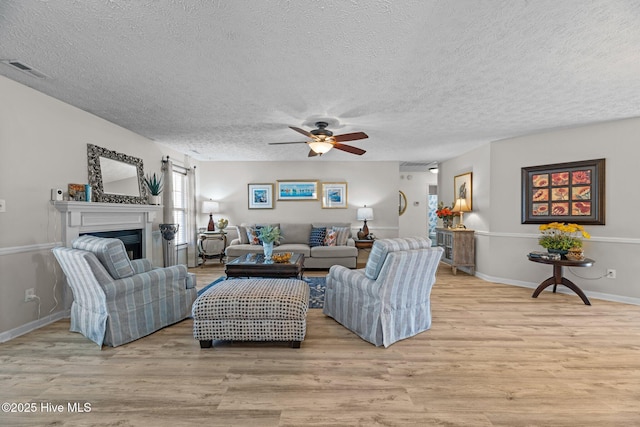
(154, 184)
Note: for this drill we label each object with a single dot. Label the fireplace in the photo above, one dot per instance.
(94, 218)
(132, 240)
(113, 218)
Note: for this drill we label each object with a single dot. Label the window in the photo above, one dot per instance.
(180, 203)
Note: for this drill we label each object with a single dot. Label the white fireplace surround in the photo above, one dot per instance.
(89, 217)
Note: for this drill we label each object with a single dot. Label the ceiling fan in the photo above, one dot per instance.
(323, 140)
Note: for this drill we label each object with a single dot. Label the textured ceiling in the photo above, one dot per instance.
(425, 79)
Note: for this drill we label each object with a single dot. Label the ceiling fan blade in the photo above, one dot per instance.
(350, 136)
(304, 132)
(296, 142)
(349, 149)
(312, 153)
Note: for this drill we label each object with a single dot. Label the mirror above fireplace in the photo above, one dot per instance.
(115, 177)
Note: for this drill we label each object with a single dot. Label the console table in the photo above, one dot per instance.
(558, 278)
(459, 248)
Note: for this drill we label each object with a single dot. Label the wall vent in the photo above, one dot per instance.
(27, 69)
(415, 166)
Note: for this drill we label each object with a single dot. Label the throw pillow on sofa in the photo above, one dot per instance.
(342, 235)
(242, 234)
(316, 238)
(330, 238)
(252, 235)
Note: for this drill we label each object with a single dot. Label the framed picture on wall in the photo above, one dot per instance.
(564, 192)
(334, 195)
(260, 196)
(462, 189)
(298, 190)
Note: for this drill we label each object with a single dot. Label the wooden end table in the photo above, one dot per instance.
(254, 265)
(558, 278)
(211, 235)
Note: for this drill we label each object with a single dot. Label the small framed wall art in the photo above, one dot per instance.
(462, 189)
(260, 196)
(297, 190)
(334, 195)
(564, 192)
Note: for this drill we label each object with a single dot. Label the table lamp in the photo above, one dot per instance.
(364, 214)
(461, 206)
(210, 207)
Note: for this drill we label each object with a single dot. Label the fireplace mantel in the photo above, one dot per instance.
(88, 217)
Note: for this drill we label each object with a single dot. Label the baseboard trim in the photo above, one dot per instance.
(560, 289)
(33, 325)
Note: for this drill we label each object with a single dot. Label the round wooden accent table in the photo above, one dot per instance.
(558, 279)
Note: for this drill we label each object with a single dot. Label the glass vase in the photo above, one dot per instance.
(268, 250)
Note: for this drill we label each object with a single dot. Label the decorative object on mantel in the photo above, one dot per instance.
(210, 207)
(168, 228)
(154, 185)
(364, 214)
(558, 237)
(446, 214)
(115, 177)
(77, 192)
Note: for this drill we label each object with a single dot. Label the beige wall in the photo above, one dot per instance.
(502, 242)
(374, 184)
(43, 145)
(415, 185)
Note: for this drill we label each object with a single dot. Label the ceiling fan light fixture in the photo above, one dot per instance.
(320, 147)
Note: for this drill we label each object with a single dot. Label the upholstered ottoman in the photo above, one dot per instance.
(252, 310)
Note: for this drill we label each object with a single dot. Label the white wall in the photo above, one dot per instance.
(374, 184)
(43, 145)
(415, 185)
(502, 242)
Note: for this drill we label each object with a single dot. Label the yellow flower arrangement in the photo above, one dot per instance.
(561, 236)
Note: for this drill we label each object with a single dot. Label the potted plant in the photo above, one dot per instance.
(446, 213)
(558, 237)
(154, 184)
(269, 235)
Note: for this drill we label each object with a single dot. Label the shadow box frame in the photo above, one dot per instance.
(254, 190)
(329, 189)
(545, 187)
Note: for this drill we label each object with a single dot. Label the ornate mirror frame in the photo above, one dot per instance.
(402, 203)
(95, 176)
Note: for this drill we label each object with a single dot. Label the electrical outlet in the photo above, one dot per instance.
(611, 274)
(29, 294)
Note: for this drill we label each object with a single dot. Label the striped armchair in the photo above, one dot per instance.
(115, 300)
(388, 300)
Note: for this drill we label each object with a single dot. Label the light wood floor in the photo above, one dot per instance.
(494, 357)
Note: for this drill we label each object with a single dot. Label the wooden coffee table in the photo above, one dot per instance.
(254, 265)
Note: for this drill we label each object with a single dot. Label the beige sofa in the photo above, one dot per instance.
(295, 238)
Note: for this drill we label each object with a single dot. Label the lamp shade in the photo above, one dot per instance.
(461, 206)
(209, 206)
(320, 147)
(364, 214)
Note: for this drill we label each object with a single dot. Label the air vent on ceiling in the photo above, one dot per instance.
(416, 166)
(21, 66)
